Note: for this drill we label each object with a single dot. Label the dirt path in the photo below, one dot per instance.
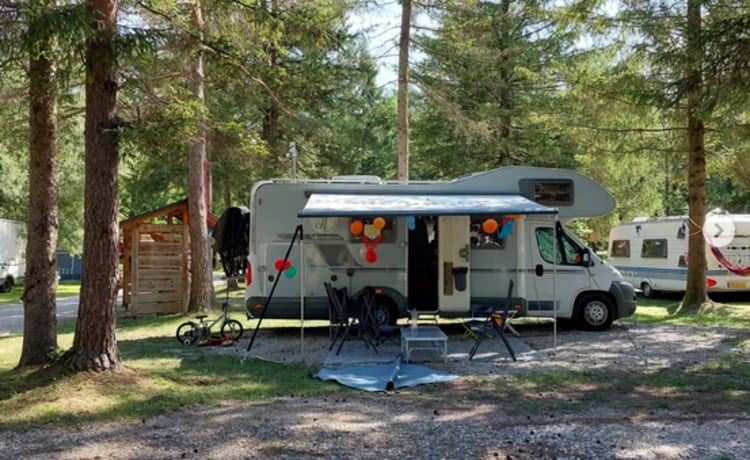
(480, 415)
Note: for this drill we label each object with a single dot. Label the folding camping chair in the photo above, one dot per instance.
(346, 319)
(494, 325)
(379, 332)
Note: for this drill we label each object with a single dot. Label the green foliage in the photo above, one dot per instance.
(489, 89)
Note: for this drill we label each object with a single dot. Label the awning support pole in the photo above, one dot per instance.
(297, 231)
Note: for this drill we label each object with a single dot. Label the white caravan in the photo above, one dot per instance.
(12, 254)
(651, 253)
(445, 247)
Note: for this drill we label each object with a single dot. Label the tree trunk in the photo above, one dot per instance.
(94, 344)
(695, 292)
(201, 283)
(403, 92)
(39, 308)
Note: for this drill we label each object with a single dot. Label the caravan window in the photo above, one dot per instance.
(620, 248)
(388, 231)
(483, 240)
(654, 249)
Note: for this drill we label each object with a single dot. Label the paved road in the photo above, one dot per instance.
(11, 316)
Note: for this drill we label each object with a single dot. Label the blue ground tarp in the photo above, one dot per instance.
(385, 376)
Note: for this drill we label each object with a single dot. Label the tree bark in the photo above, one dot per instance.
(39, 308)
(403, 92)
(201, 284)
(696, 293)
(94, 345)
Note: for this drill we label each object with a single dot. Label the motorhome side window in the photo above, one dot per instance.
(480, 239)
(654, 249)
(371, 231)
(567, 252)
(620, 248)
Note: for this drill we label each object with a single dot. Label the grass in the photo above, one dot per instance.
(67, 288)
(161, 375)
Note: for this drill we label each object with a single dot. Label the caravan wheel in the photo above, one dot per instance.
(646, 290)
(594, 312)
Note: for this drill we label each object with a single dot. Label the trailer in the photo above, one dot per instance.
(12, 253)
(651, 253)
(441, 247)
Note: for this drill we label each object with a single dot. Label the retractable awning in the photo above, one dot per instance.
(352, 205)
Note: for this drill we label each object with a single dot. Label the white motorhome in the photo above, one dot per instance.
(651, 253)
(440, 246)
(12, 254)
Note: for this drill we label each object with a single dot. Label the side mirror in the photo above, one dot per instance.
(586, 257)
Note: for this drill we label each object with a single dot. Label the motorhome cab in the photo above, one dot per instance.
(442, 247)
(651, 253)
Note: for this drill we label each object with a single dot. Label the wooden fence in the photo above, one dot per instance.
(160, 281)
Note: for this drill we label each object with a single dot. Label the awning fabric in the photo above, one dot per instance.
(334, 204)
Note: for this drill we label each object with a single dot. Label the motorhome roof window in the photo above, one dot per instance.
(552, 192)
(620, 248)
(654, 248)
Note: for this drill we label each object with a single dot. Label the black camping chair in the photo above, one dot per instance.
(378, 331)
(494, 325)
(347, 320)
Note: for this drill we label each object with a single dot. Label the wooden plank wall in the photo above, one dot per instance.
(160, 282)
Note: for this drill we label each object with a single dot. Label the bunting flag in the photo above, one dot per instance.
(742, 271)
(507, 227)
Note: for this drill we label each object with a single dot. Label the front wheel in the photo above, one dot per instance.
(646, 289)
(594, 312)
(232, 329)
(188, 333)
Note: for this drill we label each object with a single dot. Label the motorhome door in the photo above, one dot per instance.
(453, 263)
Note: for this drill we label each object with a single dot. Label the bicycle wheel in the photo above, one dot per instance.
(232, 329)
(188, 333)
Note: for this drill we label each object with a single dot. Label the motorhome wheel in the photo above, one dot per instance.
(594, 312)
(646, 290)
(7, 285)
(384, 313)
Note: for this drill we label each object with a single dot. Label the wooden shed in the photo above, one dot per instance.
(156, 260)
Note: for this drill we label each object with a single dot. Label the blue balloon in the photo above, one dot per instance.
(410, 223)
(506, 230)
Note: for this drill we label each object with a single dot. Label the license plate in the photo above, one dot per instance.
(736, 284)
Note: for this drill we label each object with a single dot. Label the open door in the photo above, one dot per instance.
(454, 289)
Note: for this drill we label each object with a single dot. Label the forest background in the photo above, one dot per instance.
(588, 85)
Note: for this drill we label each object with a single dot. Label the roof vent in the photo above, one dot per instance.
(358, 179)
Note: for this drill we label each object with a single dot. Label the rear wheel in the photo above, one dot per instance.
(594, 312)
(188, 333)
(384, 313)
(232, 329)
(6, 285)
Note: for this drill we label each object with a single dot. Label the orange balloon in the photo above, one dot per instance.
(356, 227)
(378, 223)
(489, 226)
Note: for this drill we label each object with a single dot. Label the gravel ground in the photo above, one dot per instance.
(441, 421)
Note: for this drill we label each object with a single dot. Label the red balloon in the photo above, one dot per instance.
(370, 256)
(278, 265)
